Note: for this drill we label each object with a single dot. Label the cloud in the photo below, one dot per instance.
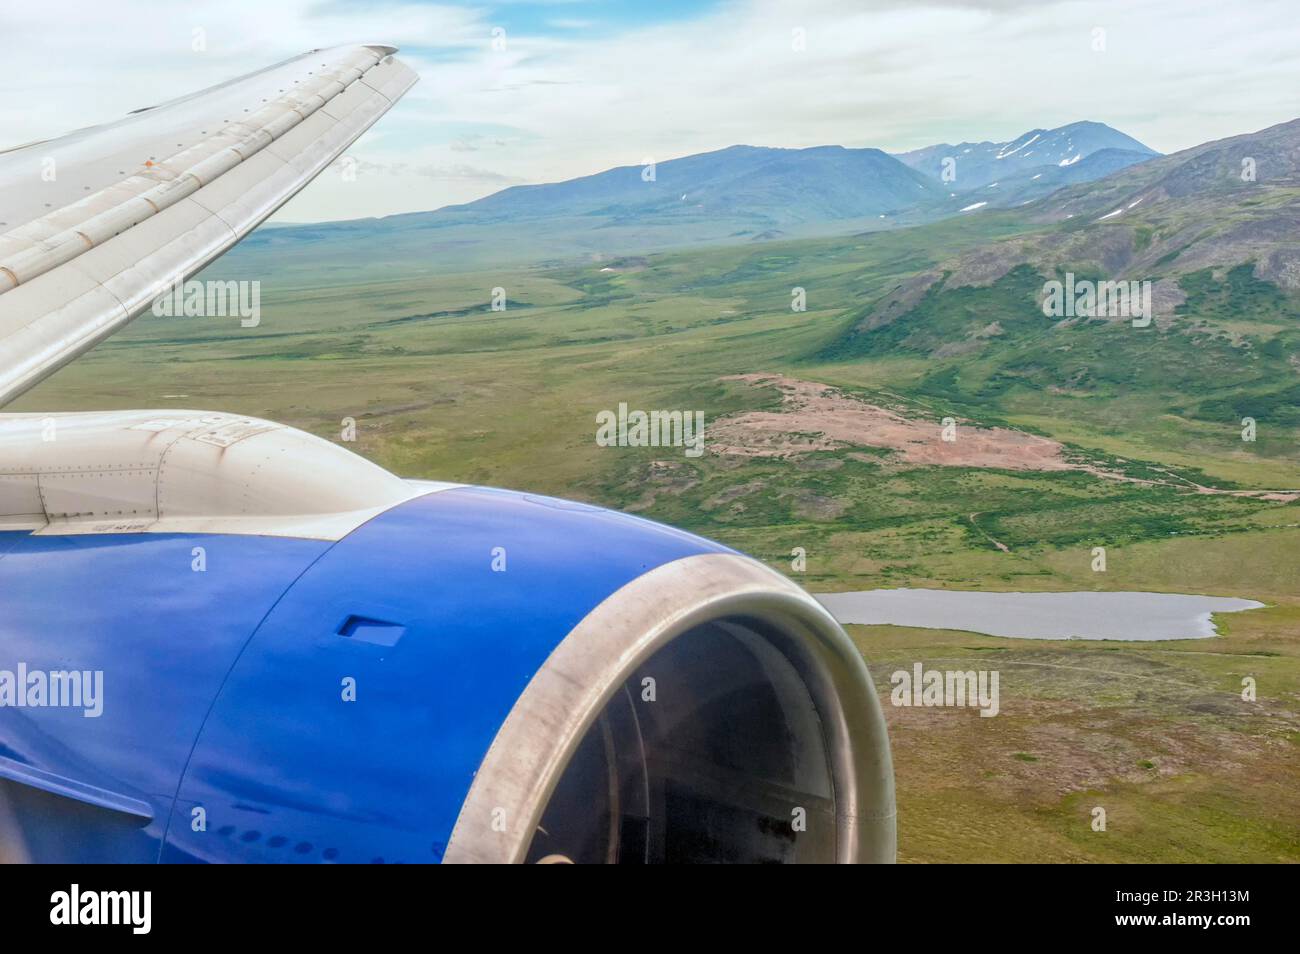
(892, 75)
(454, 172)
(557, 103)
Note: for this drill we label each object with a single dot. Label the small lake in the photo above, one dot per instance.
(1088, 615)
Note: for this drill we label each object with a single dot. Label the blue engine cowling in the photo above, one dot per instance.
(473, 675)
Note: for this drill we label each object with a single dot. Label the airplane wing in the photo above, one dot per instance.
(95, 224)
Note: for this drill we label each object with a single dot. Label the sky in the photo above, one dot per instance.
(524, 91)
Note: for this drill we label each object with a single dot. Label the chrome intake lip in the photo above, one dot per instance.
(540, 736)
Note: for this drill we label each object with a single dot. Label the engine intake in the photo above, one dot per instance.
(709, 710)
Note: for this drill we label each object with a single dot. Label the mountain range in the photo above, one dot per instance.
(741, 193)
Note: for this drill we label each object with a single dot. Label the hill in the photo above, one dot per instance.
(1220, 255)
(738, 194)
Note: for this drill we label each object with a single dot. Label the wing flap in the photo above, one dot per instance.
(192, 178)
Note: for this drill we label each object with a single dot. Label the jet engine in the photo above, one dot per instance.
(223, 639)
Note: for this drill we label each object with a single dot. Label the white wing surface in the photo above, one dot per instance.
(94, 224)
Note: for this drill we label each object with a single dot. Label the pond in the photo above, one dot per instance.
(1080, 615)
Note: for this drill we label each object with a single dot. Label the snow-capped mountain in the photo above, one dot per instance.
(989, 165)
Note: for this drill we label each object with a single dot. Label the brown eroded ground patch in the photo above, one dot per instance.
(818, 417)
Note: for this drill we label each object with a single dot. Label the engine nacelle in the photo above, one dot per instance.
(453, 674)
